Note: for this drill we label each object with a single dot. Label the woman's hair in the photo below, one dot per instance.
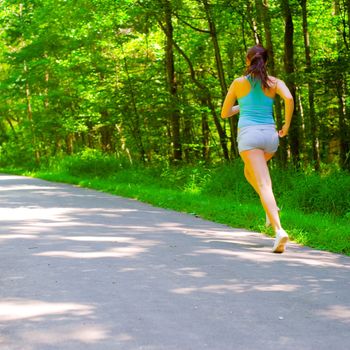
(258, 56)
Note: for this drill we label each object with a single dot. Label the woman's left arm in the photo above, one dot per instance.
(228, 108)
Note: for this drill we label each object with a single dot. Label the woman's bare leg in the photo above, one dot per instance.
(248, 176)
(250, 181)
(257, 174)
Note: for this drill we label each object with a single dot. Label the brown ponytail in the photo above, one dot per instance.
(257, 56)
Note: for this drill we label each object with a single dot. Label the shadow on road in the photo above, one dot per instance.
(82, 269)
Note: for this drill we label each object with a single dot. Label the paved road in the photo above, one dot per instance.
(84, 270)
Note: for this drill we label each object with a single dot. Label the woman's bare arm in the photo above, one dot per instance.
(286, 95)
(228, 108)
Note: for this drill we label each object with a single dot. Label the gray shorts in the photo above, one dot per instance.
(264, 137)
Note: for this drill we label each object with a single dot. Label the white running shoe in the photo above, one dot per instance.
(280, 241)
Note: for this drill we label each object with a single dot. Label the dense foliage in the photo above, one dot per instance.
(144, 80)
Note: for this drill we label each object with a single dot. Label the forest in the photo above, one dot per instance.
(144, 80)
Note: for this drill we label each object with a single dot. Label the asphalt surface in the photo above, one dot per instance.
(80, 269)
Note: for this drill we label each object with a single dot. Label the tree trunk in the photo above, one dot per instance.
(221, 75)
(343, 140)
(188, 150)
(205, 137)
(206, 98)
(220, 129)
(289, 69)
(47, 78)
(122, 144)
(266, 18)
(106, 132)
(30, 118)
(69, 144)
(214, 38)
(12, 127)
(172, 85)
(29, 104)
(348, 12)
(344, 127)
(135, 126)
(255, 18)
(314, 127)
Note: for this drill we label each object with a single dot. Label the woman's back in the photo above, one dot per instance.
(255, 102)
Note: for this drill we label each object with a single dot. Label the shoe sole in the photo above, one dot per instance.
(281, 245)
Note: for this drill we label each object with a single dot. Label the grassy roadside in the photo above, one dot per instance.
(221, 195)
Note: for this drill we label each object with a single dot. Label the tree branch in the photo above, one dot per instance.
(191, 26)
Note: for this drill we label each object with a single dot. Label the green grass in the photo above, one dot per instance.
(315, 207)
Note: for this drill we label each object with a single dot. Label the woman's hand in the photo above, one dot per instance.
(235, 110)
(284, 131)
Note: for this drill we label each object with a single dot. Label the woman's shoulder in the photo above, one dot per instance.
(274, 80)
(240, 80)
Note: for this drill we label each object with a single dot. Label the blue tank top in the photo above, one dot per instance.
(255, 108)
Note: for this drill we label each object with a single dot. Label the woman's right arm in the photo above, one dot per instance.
(228, 108)
(283, 91)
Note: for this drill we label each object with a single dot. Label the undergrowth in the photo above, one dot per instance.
(315, 206)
